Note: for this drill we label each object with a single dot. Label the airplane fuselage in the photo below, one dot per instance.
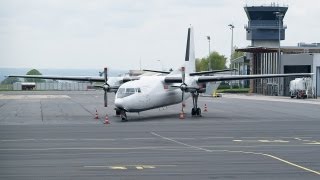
(148, 93)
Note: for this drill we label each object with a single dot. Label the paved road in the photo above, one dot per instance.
(52, 135)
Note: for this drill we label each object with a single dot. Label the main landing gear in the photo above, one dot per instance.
(122, 114)
(195, 111)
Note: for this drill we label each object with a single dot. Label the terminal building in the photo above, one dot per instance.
(265, 30)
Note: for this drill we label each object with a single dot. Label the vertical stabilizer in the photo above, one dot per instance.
(190, 63)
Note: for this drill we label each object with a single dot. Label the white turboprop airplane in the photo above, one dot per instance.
(153, 92)
(137, 94)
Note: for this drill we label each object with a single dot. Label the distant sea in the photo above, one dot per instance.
(59, 72)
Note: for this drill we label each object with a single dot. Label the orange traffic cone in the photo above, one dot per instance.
(96, 116)
(181, 116)
(205, 108)
(106, 121)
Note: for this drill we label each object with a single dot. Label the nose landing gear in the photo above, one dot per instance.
(195, 111)
(122, 114)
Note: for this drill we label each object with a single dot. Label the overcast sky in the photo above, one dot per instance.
(118, 33)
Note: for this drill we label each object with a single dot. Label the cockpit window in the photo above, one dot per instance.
(130, 90)
(124, 92)
(121, 90)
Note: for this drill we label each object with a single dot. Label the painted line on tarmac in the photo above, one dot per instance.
(138, 138)
(212, 137)
(261, 141)
(270, 137)
(93, 139)
(126, 167)
(292, 164)
(243, 152)
(312, 142)
(178, 142)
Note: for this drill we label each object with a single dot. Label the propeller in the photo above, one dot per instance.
(106, 87)
(183, 86)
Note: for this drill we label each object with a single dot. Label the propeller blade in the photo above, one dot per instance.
(105, 98)
(106, 87)
(183, 73)
(182, 96)
(182, 103)
(105, 72)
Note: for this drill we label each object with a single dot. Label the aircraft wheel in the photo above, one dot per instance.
(118, 112)
(193, 112)
(198, 112)
(123, 116)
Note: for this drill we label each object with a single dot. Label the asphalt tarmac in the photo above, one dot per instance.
(53, 135)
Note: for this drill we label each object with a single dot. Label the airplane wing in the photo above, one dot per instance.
(202, 79)
(111, 84)
(210, 72)
(73, 78)
(68, 78)
(164, 72)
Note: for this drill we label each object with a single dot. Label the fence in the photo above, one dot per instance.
(56, 86)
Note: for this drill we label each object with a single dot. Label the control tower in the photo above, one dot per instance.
(263, 25)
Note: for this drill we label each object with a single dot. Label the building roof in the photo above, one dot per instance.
(284, 49)
(252, 49)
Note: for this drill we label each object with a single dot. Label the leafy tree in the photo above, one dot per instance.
(33, 72)
(201, 64)
(10, 80)
(217, 62)
(236, 54)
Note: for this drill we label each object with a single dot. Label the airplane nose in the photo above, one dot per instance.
(119, 103)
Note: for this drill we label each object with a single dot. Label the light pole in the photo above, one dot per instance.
(279, 15)
(209, 68)
(231, 27)
(229, 63)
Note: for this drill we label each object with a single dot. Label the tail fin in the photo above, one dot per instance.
(190, 62)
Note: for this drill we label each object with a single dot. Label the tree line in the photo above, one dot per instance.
(217, 62)
(11, 80)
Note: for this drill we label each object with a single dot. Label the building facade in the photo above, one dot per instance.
(265, 30)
